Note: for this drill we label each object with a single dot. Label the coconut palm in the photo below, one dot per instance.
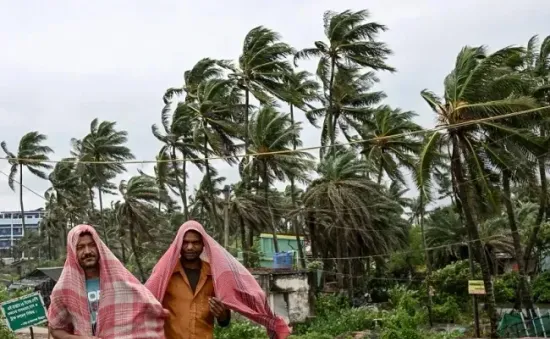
(350, 211)
(480, 86)
(348, 107)
(388, 144)
(271, 131)
(352, 43)
(178, 133)
(136, 210)
(31, 155)
(260, 70)
(102, 155)
(212, 116)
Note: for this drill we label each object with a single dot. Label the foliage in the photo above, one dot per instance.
(506, 287)
(452, 280)
(541, 287)
(447, 312)
(5, 295)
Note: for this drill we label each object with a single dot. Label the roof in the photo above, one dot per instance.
(51, 272)
(280, 236)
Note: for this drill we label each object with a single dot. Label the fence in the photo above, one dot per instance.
(516, 325)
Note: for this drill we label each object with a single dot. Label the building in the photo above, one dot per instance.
(11, 226)
(287, 244)
(40, 280)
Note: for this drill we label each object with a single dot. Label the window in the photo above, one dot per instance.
(17, 231)
(5, 231)
(17, 216)
(7, 216)
(5, 244)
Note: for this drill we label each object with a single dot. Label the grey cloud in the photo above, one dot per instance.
(64, 62)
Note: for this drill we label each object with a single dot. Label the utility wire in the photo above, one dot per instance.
(289, 151)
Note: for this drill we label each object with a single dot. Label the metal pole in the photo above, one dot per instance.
(474, 297)
(32, 332)
(226, 193)
(541, 322)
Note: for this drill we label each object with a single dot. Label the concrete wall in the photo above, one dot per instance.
(288, 293)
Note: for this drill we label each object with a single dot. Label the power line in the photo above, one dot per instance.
(289, 151)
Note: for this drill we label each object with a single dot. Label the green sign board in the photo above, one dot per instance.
(24, 312)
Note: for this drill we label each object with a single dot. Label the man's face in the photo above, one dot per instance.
(192, 246)
(86, 252)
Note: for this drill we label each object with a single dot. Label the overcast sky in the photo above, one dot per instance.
(64, 63)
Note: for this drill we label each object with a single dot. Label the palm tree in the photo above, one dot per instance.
(260, 70)
(535, 66)
(387, 142)
(349, 106)
(177, 137)
(102, 154)
(349, 211)
(31, 154)
(272, 131)
(480, 86)
(211, 115)
(136, 210)
(352, 43)
(299, 90)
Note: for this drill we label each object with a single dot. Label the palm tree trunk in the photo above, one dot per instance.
(210, 185)
(101, 215)
(527, 297)
(428, 260)
(542, 208)
(473, 233)
(178, 182)
(24, 227)
(295, 222)
(331, 105)
(184, 187)
(270, 211)
(246, 137)
(244, 243)
(134, 249)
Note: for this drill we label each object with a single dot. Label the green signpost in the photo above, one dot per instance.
(24, 312)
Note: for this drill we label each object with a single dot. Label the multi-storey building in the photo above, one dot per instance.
(11, 226)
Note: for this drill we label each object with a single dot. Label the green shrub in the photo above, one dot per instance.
(505, 287)
(452, 280)
(5, 333)
(541, 287)
(240, 329)
(447, 312)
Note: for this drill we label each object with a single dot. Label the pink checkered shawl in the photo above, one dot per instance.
(127, 309)
(233, 283)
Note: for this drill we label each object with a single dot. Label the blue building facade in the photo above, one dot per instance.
(11, 226)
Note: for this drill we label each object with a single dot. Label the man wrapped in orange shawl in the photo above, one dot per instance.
(96, 297)
(223, 283)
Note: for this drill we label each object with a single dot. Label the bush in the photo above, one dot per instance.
(240, 329)
(505, 287)
(5, 333)
(447, 312)
(541, 287)
(453, 280)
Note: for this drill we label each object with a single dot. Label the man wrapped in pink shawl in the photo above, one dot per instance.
(234, 288)
(96, 297)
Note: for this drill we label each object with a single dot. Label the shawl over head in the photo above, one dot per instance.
(127, 309)
(233, 283)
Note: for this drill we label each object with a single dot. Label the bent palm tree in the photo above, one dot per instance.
(271, 131)
(136, 209)
(31, 154)
(480, 86)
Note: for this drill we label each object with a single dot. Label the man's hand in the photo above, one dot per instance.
(165, 313)
(217, 308)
